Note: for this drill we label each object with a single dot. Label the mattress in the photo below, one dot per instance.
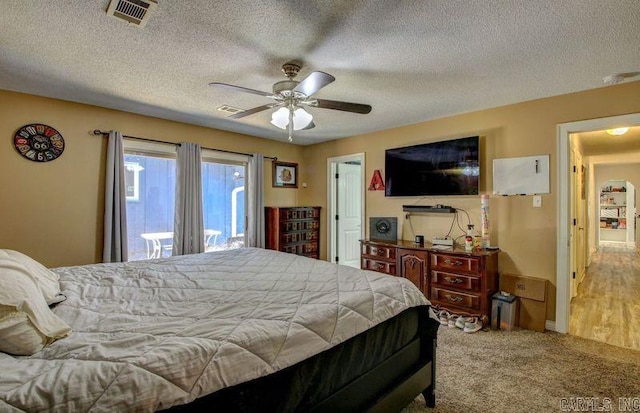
(311, 382)
(154, 334)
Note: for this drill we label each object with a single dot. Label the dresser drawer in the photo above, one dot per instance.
(380, 266)
(455, 298)
(385, 253)
(463, 282)
(455, 263)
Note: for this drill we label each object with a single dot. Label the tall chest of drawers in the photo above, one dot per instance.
(456, 280)
(295, 230)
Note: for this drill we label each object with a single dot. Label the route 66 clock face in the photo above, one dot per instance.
(39, 143)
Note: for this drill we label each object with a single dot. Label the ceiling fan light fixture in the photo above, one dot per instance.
(280, 118)
(617, 131)
(301, 118)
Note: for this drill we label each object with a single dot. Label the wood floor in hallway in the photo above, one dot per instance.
(607, 307)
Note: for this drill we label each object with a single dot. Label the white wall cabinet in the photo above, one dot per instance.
(616, 212)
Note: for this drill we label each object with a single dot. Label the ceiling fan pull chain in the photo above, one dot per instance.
(290, 124)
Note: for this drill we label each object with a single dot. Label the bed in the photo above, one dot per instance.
(242, 330)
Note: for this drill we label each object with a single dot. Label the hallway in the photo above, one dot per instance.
(607, 307)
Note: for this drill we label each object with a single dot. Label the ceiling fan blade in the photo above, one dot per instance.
(314, 82)
(344, 106)
(311, 125)
(252, 111)
(241, 89)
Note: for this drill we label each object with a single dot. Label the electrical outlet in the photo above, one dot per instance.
(537, 201)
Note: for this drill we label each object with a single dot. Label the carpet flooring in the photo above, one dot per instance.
(527, 371)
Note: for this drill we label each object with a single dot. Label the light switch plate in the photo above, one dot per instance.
(537, 201)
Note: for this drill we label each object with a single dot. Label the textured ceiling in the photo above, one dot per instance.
(411, 60)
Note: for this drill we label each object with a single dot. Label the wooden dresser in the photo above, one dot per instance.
(453, 279)
(293, 229)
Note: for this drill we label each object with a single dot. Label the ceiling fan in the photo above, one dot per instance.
(291, 96)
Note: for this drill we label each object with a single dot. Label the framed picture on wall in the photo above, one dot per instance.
(285, 174)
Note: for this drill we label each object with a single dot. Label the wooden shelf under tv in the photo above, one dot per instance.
(427, 208)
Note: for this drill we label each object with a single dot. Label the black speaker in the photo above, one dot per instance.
(383, 228)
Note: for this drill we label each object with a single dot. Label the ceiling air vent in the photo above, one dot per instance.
(135, 12)
(229, 109)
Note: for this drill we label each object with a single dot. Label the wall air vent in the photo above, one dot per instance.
(135, 12)
(229, 109)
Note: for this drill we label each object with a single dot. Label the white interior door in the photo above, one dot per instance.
(631, 213)
(349, 210)
(632, 222)
(573, 239)
(581, 218)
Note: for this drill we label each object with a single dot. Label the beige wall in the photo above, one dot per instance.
(525, 235)
(53, 211)
(627, 172)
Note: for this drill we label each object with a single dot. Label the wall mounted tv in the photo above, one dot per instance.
(439, 168)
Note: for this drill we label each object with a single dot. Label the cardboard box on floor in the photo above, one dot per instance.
(532, 293)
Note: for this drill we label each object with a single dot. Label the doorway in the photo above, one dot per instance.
(617, 213)
(345, 217)
(565, 240)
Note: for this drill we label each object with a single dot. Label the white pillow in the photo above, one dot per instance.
(27, 324)
(45, 279)
(19, 337)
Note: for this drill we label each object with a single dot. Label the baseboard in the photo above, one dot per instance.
(550, 325)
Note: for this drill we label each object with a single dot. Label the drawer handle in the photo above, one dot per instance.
(381, 252)
(453, 280)
(453, 299)
(449, 262)
(380, 266)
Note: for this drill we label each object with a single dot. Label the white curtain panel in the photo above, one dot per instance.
(115, 203)
(255, 212)
(188, 223)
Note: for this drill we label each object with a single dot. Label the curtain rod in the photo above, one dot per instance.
(99, 132)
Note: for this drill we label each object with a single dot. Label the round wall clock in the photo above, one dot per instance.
(39, 143)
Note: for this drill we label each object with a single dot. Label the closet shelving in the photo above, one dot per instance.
(614, 218)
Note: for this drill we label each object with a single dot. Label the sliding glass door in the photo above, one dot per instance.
(224, 200)
(150, 180)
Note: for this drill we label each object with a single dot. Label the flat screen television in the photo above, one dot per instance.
(439, 168)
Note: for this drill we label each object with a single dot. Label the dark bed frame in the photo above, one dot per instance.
(363, 374)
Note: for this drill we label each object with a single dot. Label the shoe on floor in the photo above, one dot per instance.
(461, 321)
(451, 322)
(473, 325)
(443, 317)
